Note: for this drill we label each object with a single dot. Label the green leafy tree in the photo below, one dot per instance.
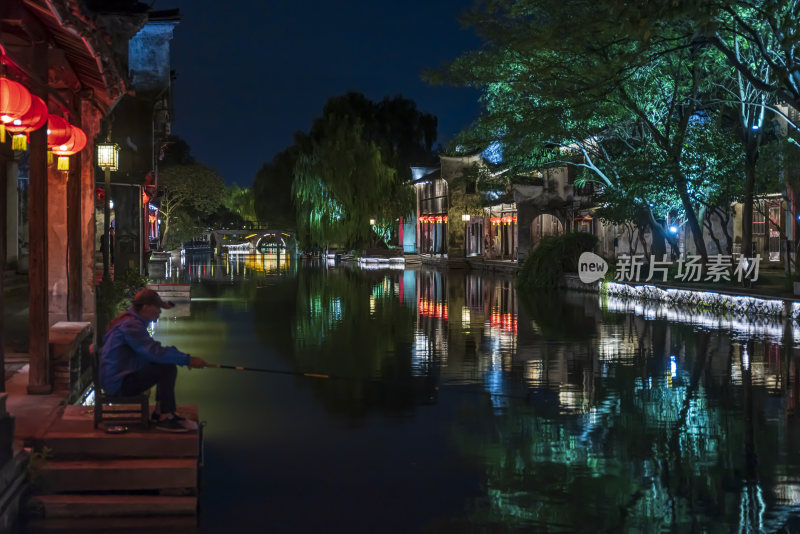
(757, 44)
(757, 38)
(188, 190)
(633, 109)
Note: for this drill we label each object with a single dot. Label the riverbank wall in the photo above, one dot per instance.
(720, 301)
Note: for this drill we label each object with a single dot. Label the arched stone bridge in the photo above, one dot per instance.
(282, 238)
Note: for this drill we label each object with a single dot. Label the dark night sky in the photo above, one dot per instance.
(251, 73)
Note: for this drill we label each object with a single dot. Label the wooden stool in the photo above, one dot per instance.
(118, 409)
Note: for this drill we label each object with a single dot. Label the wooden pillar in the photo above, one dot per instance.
(90, 122)
(39, 341)
(11, 204)
(74, 241)
(3, 192)
(57, 240)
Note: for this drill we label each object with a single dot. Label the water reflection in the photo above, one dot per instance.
(558, 413)
(204, 266)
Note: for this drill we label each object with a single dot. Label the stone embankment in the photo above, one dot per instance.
(750, 304)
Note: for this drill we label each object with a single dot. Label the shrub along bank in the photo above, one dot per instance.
(544, 268)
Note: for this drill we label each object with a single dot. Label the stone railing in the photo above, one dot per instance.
(69, 354)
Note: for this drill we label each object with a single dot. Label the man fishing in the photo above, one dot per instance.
(131, 361)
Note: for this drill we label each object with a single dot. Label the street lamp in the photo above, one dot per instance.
(465, 218)
(374, 231)
(107, 160)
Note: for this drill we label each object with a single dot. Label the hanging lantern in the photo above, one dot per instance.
(108, 156)
(15, 100)
(34, 118)
(73, 145)
(58, 133)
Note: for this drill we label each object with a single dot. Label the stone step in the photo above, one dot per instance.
(111, 475)
(61, 506)
(91, 444)
(173, 524)
(73, 437)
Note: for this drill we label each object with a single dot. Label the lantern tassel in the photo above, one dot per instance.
(2, 133)
(63, 163)
(49, 157)
(19, 142)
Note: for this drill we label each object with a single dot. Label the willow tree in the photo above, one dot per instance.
(342, 181)
(240, 201)
(352, 166)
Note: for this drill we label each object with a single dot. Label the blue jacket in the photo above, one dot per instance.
(128, 347)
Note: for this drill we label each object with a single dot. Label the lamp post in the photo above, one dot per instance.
(107, 160)
(465, 217)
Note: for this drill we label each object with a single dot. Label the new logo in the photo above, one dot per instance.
(591, 267)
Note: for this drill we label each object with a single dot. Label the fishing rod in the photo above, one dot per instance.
(435, 387)
(275, 371)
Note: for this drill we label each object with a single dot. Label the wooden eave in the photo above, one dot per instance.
(75, 42)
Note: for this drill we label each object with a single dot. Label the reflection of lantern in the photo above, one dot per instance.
(32, 120)
(73, 145)
(15, 100)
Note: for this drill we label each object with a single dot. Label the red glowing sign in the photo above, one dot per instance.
(433, 219)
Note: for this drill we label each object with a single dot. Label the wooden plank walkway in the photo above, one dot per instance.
(142, 473)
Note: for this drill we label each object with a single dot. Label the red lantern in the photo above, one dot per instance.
(15, 100)
(59, 131)
(73, 145)
(34, 119)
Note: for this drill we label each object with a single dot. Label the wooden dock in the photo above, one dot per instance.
(92, 480)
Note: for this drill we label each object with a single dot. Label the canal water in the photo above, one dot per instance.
(457, 404)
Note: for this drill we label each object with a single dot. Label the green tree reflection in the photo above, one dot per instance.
(347, 328)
